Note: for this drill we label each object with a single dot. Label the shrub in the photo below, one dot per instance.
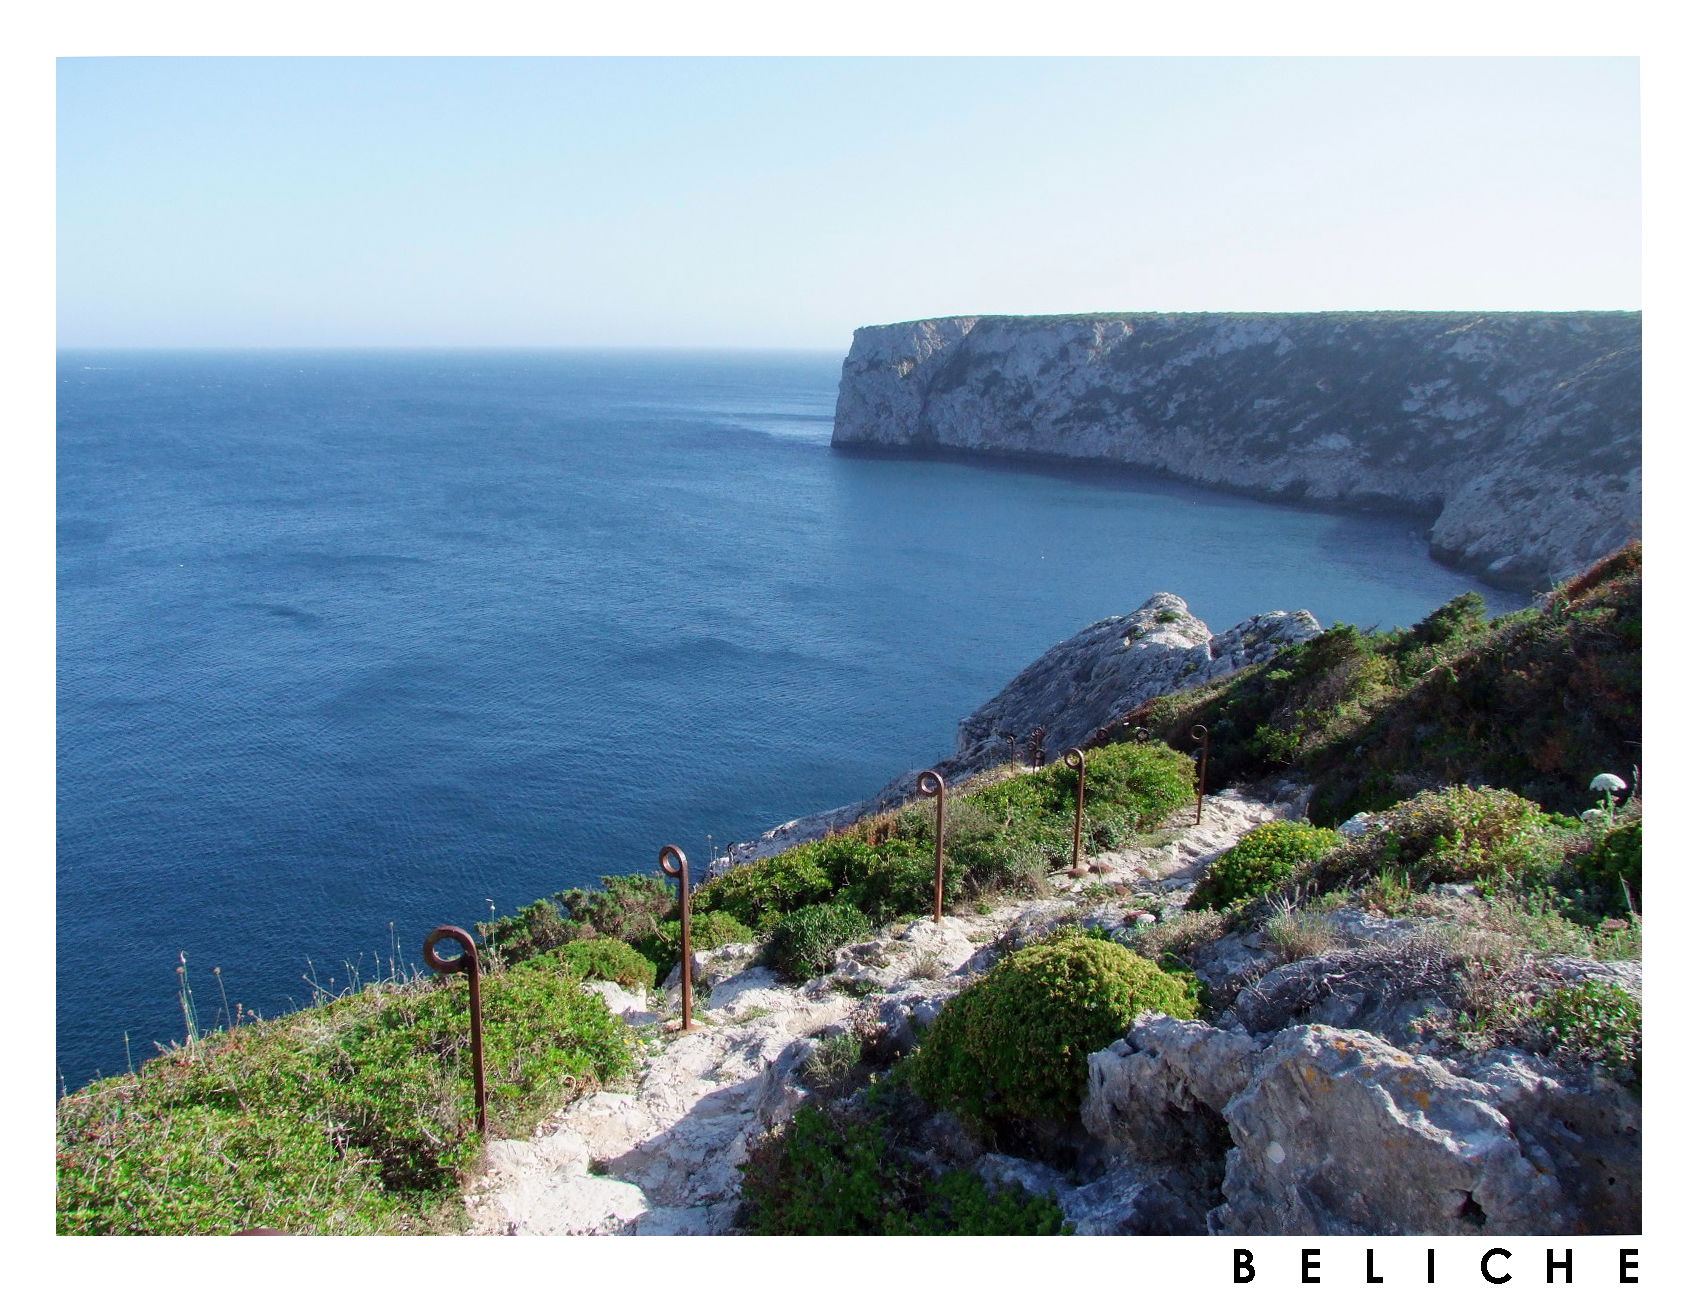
(1130, 787)
(1594, 1022)
(608, 958)
(1014, 1044)
(804, 941)
(899, 881)
(533, 930)
(707, 929)
(626, 907)
(1265, 858)
(758, 893)
(835, 1173)
(353, 1117)
(1461, 833)
(1527, 701)
(1611, 871)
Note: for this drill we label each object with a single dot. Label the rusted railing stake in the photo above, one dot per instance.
(1035, 747)
(932, 784)
(466, 963)
(1200, 733)
(680, 871)
(1075, 759)
(1014, 752)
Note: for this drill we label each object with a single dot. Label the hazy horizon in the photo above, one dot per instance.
(779, 203)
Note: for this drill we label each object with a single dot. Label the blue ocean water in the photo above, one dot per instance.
(353, 644)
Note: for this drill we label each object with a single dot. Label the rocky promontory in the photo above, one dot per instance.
(1516, 434)
(1078, 686)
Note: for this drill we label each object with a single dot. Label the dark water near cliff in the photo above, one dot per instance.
(354, 638)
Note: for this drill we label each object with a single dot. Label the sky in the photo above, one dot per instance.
(782, 202)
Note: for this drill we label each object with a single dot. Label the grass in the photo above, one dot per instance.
(351, 1117)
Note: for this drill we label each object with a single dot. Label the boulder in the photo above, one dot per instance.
(1320, 1130)
(631, 1006)
(1342, 1133)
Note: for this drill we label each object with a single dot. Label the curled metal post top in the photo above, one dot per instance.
(1075, 758)
(930, 783)
(673, 868)
(461, 964)
(1199, 732)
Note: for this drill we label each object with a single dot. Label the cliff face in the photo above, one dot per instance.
(1519, 434)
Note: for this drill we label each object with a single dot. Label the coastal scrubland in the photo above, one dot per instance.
(1474, 796)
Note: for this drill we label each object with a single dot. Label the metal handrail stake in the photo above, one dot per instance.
(680, 871)
(932, 785)
(466, 963)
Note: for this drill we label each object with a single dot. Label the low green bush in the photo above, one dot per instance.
(1461, 833)
(899, 881)
(353, 1117)
(1594, 1022)
(1264, 859)
(1014, 1044)
(608, 958)
(533, 930)
(627, 907)
(1131, 787)
(804, 942)
(835, 1173)
(1536, 701)
(707, 929)
(1611, 871)
(758, 893)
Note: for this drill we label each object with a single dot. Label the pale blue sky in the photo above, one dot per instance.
(783, 202)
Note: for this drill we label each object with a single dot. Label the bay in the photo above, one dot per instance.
(352, 644)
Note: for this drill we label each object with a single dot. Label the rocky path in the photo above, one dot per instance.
(662, 1157)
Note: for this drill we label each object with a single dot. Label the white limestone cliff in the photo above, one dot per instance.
(1518, 435)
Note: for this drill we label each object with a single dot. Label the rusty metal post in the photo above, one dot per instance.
(466, 963)
(680, 871)
(1075, 759)
(1200, 734)
(1035, 747)
(931, 784)
(1014, 752)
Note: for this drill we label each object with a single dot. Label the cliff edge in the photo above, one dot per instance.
(1518, 434)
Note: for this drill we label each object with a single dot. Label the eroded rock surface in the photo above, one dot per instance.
(1517, 435)
(1340, 1132)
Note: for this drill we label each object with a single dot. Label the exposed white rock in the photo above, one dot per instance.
(1078, 687)
(1517, 434)
(631, 1006)
(1341, 1132)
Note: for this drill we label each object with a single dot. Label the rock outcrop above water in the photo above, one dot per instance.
(1078, 686)
(1518, 435)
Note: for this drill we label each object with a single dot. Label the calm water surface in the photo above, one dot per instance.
(348, 639)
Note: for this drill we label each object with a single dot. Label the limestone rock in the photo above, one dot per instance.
(1341, 1133)
(1144, 1093)
(1337, 1131)
(1344, 990)
(1076, 688)
(1516, 435)
(633, 1007)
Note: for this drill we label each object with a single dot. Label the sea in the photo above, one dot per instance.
(353, 644)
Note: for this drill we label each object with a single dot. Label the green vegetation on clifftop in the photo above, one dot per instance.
(1520, 702)
(353, 1117)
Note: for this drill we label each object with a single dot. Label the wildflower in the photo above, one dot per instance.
(1607, 784)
